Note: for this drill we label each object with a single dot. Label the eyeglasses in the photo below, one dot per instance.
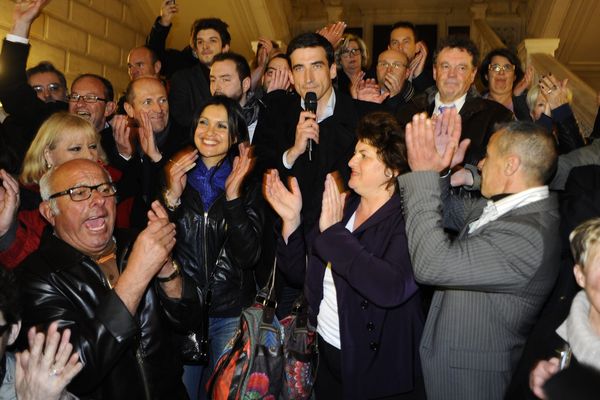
(81, 193)
(386, 65)
(51, 87)
(88, 98)
(497, 67)
(350, 53)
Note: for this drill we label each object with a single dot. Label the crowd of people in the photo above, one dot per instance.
(440, 235)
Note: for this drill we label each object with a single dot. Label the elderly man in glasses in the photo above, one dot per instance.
(392, 77)
(119, 297)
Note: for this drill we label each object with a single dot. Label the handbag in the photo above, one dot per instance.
(194, 344)
(265, 358)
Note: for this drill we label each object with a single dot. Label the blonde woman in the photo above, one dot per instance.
(352, 58)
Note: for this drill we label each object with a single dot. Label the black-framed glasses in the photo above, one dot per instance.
(350, 52)
(51, 87)
(83, 192)
(386, 65)
(88, 98)
(4, 328)
(498, 67)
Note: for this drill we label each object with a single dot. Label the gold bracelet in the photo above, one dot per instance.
(175, 274)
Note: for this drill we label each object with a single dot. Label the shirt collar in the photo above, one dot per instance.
(329, 108)
(458, 103)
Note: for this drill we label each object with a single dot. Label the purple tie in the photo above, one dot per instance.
(442, 108)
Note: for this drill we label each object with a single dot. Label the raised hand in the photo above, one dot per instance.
(122, 134)
(286, 203)
(447, 129)
(543, 371)
(24, 13)
(417, 64)
(168, 9)
(176, 170)
(307, 128)
(280, 81)
(146, 136)
(525, 82)
(421, 146)
(333, 33)
(332, 206)
(9, 201)
(554, 90)
(368, 90)
(242, 164)
(264, 50)
(44, 370)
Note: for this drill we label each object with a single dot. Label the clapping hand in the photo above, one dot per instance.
(447, 128)
(122, 134)
(333, 33)
(242, 164)
(554, 91)
(48, 366)
(9, 201)
(332, 206)
(176, 170)
(417, 64)
(286, 203)
(423, 154)
(146, 136)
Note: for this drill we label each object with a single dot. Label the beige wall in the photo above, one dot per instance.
(80, 36)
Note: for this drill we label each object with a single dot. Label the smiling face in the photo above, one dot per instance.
(149, 96)
(208, 44)
(453, 73)
(212, 137)
(501, 83)
(85, 225)
(96, 113)
(311, 72)
(71, 145)
(368, 170)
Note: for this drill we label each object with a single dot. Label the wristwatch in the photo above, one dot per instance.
(176, 272)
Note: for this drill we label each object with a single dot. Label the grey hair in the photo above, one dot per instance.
(46, 190)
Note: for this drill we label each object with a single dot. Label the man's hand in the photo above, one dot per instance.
(146, 136)
(168, 10)
(421, 146)
(332, 205)
(417, 64)
(122, 134)
(242, 164)
(9, 201)
(392, 84)
(543, 371)
(447, 129)
(287, 204)
(333, 33)
(44, 371)
(307, 128)
(368, 90)
(24, 14)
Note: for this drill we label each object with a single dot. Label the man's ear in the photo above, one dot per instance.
(110, 108)
(157, 66)
(14, 332)
(579, 276)
(246, 85)
(129, 110)
(47, 212)
(333, 71)
(511, 165)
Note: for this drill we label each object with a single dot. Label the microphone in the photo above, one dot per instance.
(310, 103)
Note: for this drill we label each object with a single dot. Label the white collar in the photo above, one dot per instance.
(458, 103)
(495, 209)
(329, 108)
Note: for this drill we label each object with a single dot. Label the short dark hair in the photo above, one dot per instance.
(279, 55)
(241, 64)
(383, 131)
(211, 23)
(503, 52)
(461, 43)
(406, 25)
(109, 92)
(130, 87)
(46, 66)
(311, 39)
(535, 146)
(10, 304)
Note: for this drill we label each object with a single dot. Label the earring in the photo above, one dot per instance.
(48, 165)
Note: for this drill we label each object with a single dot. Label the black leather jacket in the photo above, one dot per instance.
(221, 245)
(124, 356)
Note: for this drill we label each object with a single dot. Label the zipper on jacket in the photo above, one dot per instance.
(205, 247)
(139, 355)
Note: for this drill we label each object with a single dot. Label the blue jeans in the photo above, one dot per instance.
(195, 377)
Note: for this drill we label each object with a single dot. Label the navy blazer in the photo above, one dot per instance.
(379, 305)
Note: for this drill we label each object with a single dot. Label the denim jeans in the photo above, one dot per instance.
(195, 377)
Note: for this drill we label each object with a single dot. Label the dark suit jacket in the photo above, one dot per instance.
(479, 119)
(188, 89)
(379, 306)
(492, 284)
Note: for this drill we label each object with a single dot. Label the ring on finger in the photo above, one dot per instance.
(549, 91)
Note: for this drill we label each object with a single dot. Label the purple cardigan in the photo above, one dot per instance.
(381, 317)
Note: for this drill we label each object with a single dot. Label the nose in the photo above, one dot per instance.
(96, 198)
(88, 154)
(352, 161)
(308, 75)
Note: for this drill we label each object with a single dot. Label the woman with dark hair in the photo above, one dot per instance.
(219, 220)
(359, 282)
(502, 74)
